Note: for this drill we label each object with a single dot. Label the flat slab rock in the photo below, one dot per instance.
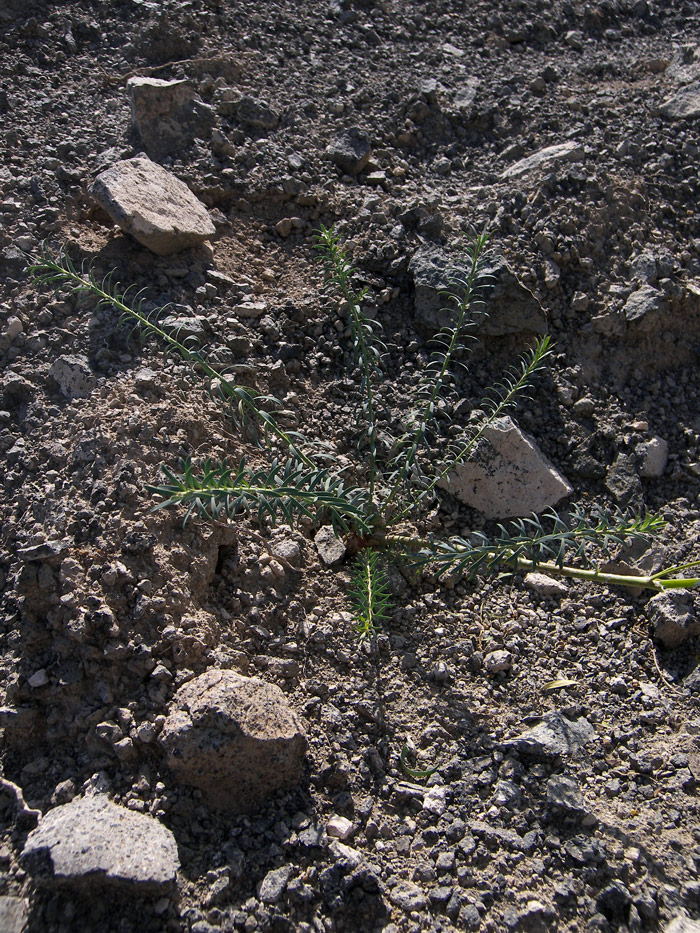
(510, 307)
(553, 737)
(153, 206)
(508, 477)
(94, 840)
(235, 738)
(13, 914)
(569, 151)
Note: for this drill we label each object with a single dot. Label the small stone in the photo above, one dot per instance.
(351, 151)
(435, 800)
(92, 840)
(684, 105)
(73, 376)
(38, 679)
(339, 827)
(543, 585)
(564, 797)
(407, 896)
(330, 547)
(496, 661)
(342, 853)
(580, 302)
(645, 310)
(653, 455)
(614, 901)
(154, 206)
(673, 617)
(273, 884)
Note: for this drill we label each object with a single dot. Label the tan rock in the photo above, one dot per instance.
(235, 738)
(152, 205)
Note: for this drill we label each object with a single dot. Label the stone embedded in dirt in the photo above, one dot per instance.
(645, 310)
(673, 617)
(94, 840)
(13, 914)
(350, 152)
(570, 151)
(73, 376)
(167, 116)
(510, 307)
(330, 547)
(497, 661)
(653, 457)
(408, 896)
(684, 105)
(623, 481)
(235, 738)
(614, 901)
(544, 585)
(153, 206)
(249, 111)
(339, 827)
(553, 737)
(273, 884)
(565, 799)
(508, 477)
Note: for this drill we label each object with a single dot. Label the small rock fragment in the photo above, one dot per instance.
(654, 457)
(407, 896)
(273, 884)
(684, 105)
(496, 661)
(564, 798)
(570, 151)
(167, 116)
(545, 586)
(350, 152)
(73, 376)
(673, 617)
(339, 827)
(330, 548)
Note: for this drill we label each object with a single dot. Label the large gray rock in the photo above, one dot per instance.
(235, 738)
(684, 105)
(510, 307)
(94, 840)
(570, 151)
(673, 617)
(555, 736)
(167, 115)
(508, 476)
(152, 205)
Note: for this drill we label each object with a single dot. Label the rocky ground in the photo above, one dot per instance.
(405, 123)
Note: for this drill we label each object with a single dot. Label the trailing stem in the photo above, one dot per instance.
(366, 344)
(450, 338)
(60, 271)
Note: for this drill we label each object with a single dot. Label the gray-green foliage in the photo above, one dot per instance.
(378, 509)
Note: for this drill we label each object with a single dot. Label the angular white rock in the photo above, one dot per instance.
(509, 477)
(571, 151)
(152, 205)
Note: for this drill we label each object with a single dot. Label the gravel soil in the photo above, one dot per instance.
(107, 608)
